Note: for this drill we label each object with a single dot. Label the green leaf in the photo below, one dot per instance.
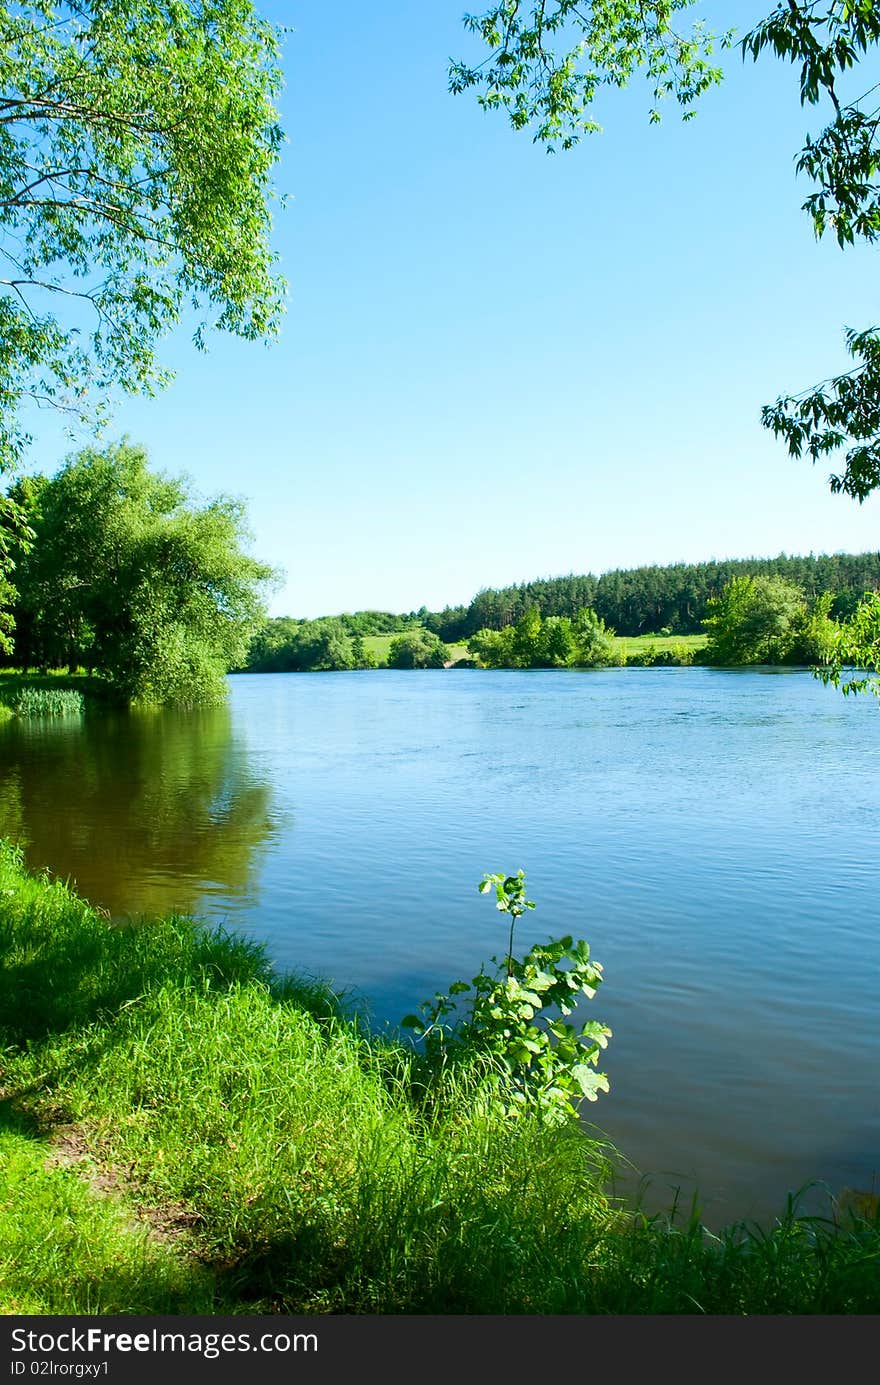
(152, 146)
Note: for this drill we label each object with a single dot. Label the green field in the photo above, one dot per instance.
(636, 647)
(378, 646)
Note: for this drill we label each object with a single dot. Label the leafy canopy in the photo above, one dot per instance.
(767, 620)
(552, 642)
(137, 139)
(547, 61)
(854, 663)
(131, 576)
(416, 649)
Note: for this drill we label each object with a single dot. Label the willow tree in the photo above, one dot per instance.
(135, 578)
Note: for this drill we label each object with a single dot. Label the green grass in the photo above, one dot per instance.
(458, 651)
(659, 649)
(16, 685)
(301, 1153)
(65, 1248)
(48, 702)
(315, 1181)
(379, 645)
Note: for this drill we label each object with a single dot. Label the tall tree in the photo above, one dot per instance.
(548, 59)
(131, 576)
(416, 649)
(755, 620)
(15, 536)
(137, 142)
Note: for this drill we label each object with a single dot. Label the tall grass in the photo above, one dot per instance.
(47, 702)
(314, 1175)
(94, 689)
(67, 1249)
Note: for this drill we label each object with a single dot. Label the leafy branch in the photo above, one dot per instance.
(854, 664)
(548, 61)
(137, 145)
(516, 1026)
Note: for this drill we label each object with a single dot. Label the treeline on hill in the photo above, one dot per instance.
(337, 643)
(570, 621)
(650, 600)
(755, 620)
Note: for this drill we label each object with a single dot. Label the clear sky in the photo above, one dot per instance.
(498, 364)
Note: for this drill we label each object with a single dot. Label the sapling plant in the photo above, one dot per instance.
(516, 1022)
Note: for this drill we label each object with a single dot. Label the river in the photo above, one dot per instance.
(712, 834)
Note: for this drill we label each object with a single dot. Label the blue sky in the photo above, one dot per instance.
(498, 365)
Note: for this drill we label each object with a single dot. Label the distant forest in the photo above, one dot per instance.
(654, 600)
(646, 600)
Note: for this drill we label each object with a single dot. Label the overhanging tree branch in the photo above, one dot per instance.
(114, 122)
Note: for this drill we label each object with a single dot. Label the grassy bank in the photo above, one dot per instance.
(647, 650)
(380, 645)
(52, 694)
(182, 1131)
(643, 650)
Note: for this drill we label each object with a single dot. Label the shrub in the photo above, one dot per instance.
(515, 1030)
(48, 702)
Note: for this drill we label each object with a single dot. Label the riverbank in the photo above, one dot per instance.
(637, 651)
(58, 692)
(197, 1134)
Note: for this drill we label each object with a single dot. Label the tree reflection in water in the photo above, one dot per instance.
(145, 811)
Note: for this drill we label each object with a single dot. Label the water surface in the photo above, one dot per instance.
(712, 834)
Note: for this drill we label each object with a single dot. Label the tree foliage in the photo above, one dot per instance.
(516, 1026)
(554, 642)
(328, 644)
(645, 600)
(575, 615)
(137, 140)
(130, 576)
(854, 661)
(15, 537)
(379, 622)
(766, 620)
(361, 656)
(416, 649)
(547, 61)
